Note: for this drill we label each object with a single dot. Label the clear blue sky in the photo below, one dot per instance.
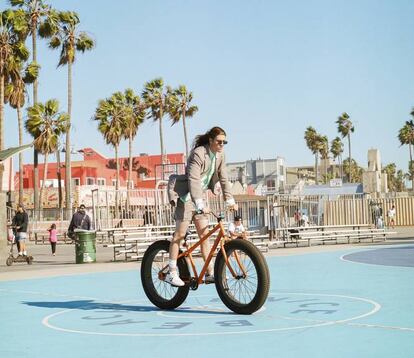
(263, 70)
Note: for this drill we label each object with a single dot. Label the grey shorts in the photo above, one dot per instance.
(185, 211)
(21, 236)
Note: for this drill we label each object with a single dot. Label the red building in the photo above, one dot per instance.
(96, 169)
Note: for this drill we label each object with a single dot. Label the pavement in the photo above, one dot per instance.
(325, 301)
(46, 265)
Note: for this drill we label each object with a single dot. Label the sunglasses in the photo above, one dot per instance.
(221, 142)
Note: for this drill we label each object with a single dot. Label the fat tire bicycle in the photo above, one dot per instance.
(241, 273)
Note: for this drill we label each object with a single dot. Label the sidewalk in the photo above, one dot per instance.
(46, 265)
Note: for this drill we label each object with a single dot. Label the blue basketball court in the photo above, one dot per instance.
(356, 302)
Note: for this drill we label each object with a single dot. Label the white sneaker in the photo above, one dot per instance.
(173, 279)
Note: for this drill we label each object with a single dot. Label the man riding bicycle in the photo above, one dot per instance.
(205, 168)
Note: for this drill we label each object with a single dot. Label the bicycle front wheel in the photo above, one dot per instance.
(160, 293)
(245, 289)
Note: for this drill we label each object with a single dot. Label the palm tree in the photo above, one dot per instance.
(15, 93)
(39, 23)
(181, 108)
(111, 115)
(312, 139)
(323, 144)
(345, 128)
(69, 40)
(46, 125)
(337, 148)
(157, 99)
(136, 110)
(13, 52)
(353, 170)
(406, 136)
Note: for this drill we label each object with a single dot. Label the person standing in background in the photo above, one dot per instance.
(53, 238)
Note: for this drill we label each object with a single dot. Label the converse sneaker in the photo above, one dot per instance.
(173, 279)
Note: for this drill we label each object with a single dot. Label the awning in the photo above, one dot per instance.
(9, 152)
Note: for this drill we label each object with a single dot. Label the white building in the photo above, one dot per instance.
(266, 175)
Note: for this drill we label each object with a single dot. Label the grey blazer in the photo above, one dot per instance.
(198, 164)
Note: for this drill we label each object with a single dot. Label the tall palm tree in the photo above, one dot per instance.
(345, 128)
(406, 137)
(46, 124)
(13, 32)
(37, 12)
(15, 93)
(111, 115)
(337, 148)
(180, 108)
(70, 41)
(157, 99)
(312, 139)
(136, 111)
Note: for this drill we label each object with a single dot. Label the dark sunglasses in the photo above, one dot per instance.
(221, 142)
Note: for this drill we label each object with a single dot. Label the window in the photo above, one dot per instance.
(101, 181)
(90, 181)
(130, 184)
(76, 181)
(113, 182)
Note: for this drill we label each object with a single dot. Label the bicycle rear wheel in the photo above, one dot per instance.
(247, 291)
(160, 293)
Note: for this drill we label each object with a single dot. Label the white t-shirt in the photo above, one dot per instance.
(233, 229)
(391, 213)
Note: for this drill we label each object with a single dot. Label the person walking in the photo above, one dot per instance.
(205, 168)
(20, 223)
(53, 238)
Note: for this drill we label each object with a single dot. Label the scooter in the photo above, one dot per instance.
(19, 258)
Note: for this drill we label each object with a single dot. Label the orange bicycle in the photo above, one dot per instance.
(241, 273)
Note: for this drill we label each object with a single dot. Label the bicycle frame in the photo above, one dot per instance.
(220, 239)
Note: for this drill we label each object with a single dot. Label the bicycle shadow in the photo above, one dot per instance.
(91, 305)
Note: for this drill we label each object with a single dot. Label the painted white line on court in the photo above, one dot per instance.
(316, 323)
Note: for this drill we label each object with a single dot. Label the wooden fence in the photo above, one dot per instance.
(360, 210)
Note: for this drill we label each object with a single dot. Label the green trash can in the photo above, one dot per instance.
(85, 246)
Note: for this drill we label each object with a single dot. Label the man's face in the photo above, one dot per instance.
(82, 209)
(19, 209)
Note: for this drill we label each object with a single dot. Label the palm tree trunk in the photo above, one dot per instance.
(350, 157)
(59, 177)
(43, 184)
(117, 182)
(162, 143)
(68, 176)
(20, 125)
(35, 152)
(1, 113)
(161, 140)
(410, 169)
(129, 169)
(316, 170)
(185, 135)
(1, 123)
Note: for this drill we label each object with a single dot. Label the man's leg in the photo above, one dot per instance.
(172, 275)
(201, 225)
(23, 246)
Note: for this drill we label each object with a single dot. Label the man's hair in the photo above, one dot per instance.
(82, 206)
(237, 218)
